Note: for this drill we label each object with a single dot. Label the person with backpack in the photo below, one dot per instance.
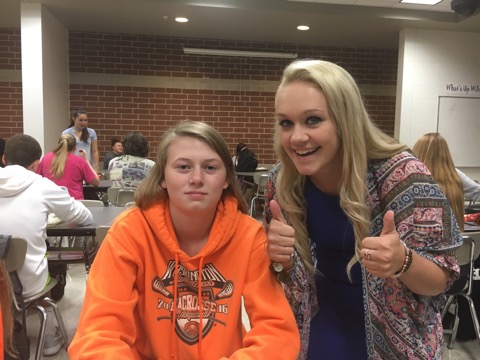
(246, 160)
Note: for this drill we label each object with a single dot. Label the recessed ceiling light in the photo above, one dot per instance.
(181, 19)
(421, 2)
(303, 27)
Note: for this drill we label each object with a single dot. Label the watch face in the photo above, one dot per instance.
(277, 266)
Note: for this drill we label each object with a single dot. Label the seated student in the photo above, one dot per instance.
(66, 169)
(170, 275)
(117, 150)
(245, 160)
(26, 199)
(2, 149)
(131, 168)
(471, 188)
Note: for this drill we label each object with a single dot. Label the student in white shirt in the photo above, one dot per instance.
(471, 188)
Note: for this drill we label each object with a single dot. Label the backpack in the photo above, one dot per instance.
(246, 161)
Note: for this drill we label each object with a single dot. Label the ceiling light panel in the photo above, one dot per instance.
(421, 2)
(441, 5)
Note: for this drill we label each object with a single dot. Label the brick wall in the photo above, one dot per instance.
(11, 113)
(111, 77)
(10, 49)
(240, 117)
(10, 91)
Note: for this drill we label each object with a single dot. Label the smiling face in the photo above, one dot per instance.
(195, 177)
(117, 148)
(81, 121)
(307, 132)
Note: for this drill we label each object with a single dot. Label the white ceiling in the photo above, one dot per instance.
(364, 23)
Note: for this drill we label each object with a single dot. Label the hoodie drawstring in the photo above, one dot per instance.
(175, 307)
(200, 308)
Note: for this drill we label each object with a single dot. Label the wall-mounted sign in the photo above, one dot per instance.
(467, 89)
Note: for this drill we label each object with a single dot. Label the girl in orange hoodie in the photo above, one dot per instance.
(168, 280)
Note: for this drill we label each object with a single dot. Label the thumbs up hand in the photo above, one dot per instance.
(383, 255)
(281, 242)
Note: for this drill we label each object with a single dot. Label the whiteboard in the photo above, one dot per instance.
(459, 123)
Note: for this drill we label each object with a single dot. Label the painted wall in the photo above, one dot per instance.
(432, 64)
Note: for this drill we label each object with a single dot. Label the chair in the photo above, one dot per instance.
(92, 203)
(100, 233)
(16, 249)
(112, 195)
(125, 196)
(261, 184)
(462, 287)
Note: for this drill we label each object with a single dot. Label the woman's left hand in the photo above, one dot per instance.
(384, 255)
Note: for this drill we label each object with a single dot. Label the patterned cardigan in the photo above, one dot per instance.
(398, 323)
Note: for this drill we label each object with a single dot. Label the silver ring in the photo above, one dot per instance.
(367, 255)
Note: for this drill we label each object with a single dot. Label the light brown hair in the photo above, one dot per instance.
(150, 191)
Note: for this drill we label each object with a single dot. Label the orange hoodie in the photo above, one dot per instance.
(143, 291)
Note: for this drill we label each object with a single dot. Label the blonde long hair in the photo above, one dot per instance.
(66, 144)
(432, 149)
(360, 140)
(150, 190)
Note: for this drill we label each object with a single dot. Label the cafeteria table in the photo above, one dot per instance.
(101, 216)
(60, 254)
(96, 192)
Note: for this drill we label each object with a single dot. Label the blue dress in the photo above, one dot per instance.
(338, 329)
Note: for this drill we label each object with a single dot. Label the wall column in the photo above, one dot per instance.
(45, 75)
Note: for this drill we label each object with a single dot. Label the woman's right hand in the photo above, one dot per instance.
(82, 154)
(281, 242)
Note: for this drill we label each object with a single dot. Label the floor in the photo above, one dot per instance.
(71, 303)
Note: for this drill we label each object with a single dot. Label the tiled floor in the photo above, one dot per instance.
(71, 303)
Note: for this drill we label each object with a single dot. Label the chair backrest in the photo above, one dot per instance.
(265, 166)
(465, 252)
(125, 196)
(100, 233)
(475, 236)
(112, 195)
(14, 251)
(464, 256)
(261, 182)
(92, 203)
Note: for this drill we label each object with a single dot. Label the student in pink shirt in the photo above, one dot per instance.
(66, 169)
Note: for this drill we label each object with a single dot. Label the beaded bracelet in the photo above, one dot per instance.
(408, 260)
